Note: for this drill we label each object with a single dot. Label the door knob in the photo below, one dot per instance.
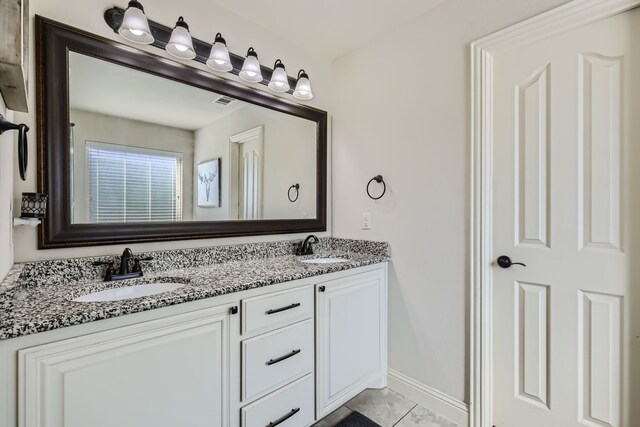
(505, 262)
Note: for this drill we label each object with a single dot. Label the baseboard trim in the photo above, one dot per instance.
(429, 398)
(377, 381)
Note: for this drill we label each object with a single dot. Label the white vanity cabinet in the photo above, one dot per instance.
(349, 327)
(285, 355)
(351, 334)
(166, 372)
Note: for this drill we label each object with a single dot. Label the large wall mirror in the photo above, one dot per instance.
(134, 148)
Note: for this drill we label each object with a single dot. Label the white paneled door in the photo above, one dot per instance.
(566, 202)
(250, 178)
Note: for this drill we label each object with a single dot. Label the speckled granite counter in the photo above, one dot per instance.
(37, 297)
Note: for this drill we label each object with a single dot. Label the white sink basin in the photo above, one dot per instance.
(126, 292)
(323, 260)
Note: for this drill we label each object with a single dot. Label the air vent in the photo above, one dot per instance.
(224, 100)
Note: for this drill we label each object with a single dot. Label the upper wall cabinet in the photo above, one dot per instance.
(136, 147)
(14, 45)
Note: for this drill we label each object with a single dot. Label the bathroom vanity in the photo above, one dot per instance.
(284, 342)
(246, 335)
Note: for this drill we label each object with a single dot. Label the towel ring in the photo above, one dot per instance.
(378, 179)
(295, 187)
(23, 152)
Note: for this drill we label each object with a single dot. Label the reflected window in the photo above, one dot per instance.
(130, 184)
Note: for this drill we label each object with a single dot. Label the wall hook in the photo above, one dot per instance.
(23, 152)
(378, 179)
(295, 187)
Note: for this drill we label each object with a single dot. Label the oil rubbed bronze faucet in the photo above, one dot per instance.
(123, 271)
(305, 247)
(124, 261)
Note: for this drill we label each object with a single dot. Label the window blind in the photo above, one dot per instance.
(130, 184)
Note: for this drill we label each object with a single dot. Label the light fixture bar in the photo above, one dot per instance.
(162, 35)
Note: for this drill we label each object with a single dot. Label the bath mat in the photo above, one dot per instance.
(356, 419)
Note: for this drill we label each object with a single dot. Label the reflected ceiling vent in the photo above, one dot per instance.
(224, 100)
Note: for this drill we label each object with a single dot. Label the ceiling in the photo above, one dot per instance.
(329, 27)
(125, 92)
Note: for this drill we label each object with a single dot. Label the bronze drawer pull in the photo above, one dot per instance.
(278, 310)
(281, 358)
(283, 418)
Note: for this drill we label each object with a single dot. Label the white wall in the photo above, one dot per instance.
(205, 19)
(289, 158)
(289, 153)
(402, 110)
(98, 127)
(7, 142)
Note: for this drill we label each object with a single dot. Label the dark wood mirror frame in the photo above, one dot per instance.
(54, 41)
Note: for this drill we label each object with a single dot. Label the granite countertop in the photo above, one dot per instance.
(48, 306)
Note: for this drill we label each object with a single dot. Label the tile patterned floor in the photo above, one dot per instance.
(387, 408)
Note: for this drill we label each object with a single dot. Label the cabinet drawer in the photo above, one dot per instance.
(271, 311)
(276, 358)
(291, 406)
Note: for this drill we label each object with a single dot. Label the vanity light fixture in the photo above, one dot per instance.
(279, 80)
(303, 87)
(180, 44)
(251, 68)
(219, 57)
(135, 26)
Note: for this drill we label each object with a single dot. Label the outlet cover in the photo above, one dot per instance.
(366, 221)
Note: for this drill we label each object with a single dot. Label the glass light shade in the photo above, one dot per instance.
(135, 26)
(251, 68)
(219, 57)
(279, 79)
(303, 87)
(180, 44)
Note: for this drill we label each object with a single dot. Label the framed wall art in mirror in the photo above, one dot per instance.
(209, 184)
(135, 148)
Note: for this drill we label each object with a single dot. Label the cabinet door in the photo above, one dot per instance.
(168, 372)
(351, 328)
